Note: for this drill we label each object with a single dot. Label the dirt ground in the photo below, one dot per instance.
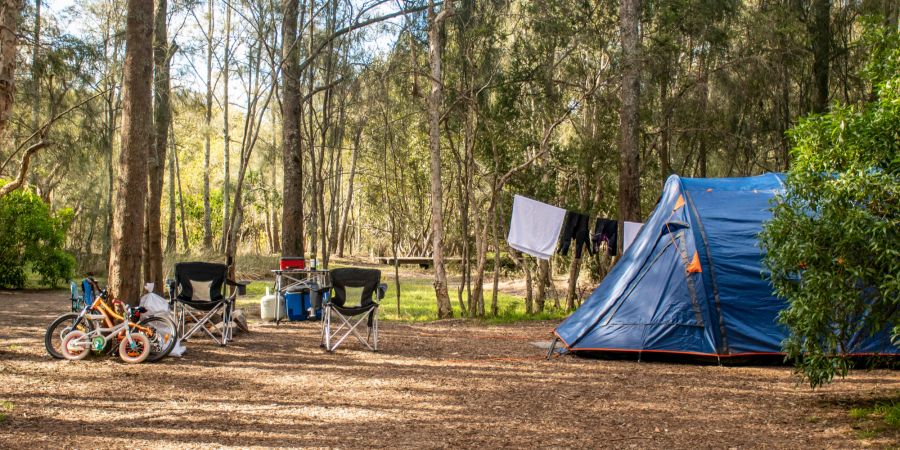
(445, 384)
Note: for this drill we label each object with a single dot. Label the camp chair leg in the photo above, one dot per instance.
(226, 325)
(351, 329)
(326, 329)
(340, 333)
(373, 330)
(200, 322)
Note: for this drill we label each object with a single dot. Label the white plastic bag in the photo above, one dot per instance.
(158, 306)
(154, 304)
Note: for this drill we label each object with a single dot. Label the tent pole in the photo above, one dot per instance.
(552, 347)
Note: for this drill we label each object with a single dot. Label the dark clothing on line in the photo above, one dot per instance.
(606, 230)
(577, 227)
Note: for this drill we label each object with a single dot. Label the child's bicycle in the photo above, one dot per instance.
(98, 325)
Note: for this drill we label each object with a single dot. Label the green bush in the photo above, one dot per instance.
(833, 244)
(32, 238)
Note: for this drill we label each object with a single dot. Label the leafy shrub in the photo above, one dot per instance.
(32, 237)
(833, 245)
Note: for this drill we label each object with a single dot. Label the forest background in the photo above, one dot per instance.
(589, 105)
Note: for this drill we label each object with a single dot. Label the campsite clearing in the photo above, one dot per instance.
(438, 384)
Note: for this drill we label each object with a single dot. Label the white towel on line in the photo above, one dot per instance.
(630, 230)
(535, 226)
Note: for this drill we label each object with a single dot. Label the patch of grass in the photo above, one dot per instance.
(418, 302)
(867, 434)
(860, 413)
(876, 419)
(5, 406)
(890, 413)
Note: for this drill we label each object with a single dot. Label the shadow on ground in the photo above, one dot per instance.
(433, 385)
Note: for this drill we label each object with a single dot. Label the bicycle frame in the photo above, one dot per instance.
(122, 330)
(116, 324)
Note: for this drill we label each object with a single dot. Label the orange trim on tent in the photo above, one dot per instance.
(694, 266)
(715, 355)
(678, 203)
(677, 352)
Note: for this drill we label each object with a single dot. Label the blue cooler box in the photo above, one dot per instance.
(298, 305)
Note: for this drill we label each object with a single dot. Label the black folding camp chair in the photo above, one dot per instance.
(198, 292)
(349, 318)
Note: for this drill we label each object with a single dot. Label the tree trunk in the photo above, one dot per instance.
(481, 238)
(665, 133)
(207, 212)
(226, 133)
(255, 113)
(572, 288)
(170, 231)
(10, 10)
(314, 163)
(543, 282)
(291, 151)
(785, 123)
(273, 171)
(629, 127)
(137, 141)
(435, 99)
(153, 258)
(703, 87)
(349, 201)
(36, 66)
(184, 236)
(495, 310)
(111, 102)
(529, 286)
(821, 47)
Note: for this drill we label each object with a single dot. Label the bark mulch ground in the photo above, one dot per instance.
(441, 384)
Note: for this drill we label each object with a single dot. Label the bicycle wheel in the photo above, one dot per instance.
(76, 345)
(59, 328)
(163, 339)
(135, 351)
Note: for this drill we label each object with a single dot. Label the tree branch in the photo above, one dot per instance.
(355, 26)
(42, 131)
(545, 148)
(23, 169)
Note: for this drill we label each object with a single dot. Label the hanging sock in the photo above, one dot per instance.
(605, 230)
(575, 228)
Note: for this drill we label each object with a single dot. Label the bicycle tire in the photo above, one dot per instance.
(57, 331)
(164, 336)
(67, 348)
(137, 351)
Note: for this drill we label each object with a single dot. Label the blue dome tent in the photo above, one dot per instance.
(692, 281)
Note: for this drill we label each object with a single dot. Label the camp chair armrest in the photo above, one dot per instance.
(172, 286)
(240, 285)
(380, 291)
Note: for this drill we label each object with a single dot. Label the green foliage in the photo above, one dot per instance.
(417, 302)
(877, 418)
(5, 407)
(32, 236)
(833, 245)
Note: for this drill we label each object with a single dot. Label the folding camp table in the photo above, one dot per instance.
(287, 279)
